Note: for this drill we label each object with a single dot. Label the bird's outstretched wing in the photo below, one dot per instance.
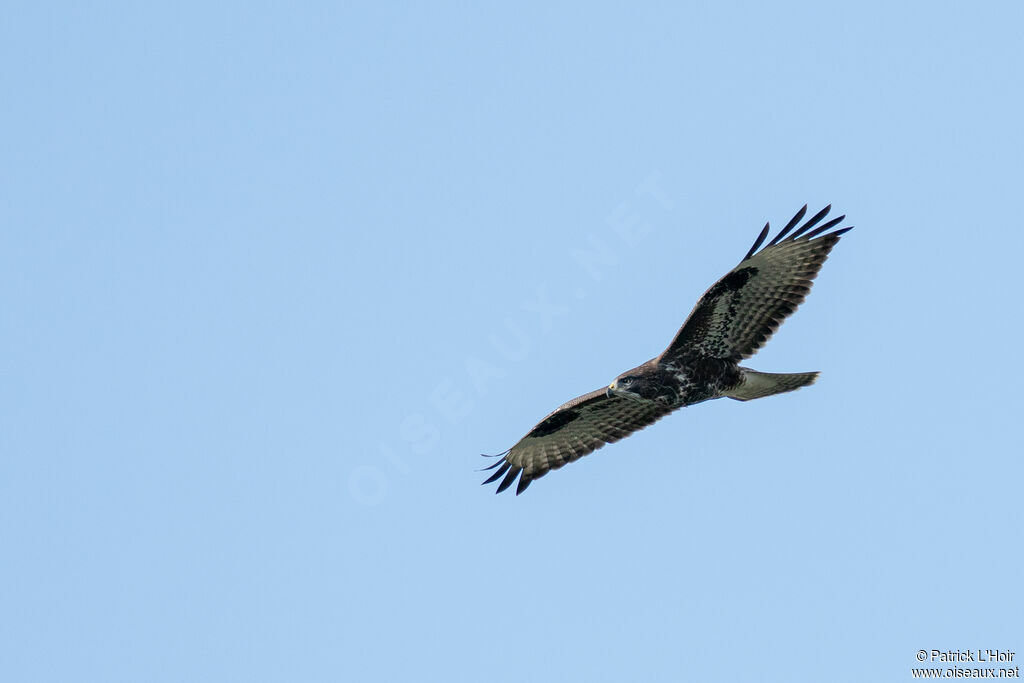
(575, 429)
(739, 313)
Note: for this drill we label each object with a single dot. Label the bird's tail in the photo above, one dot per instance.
(756, 384)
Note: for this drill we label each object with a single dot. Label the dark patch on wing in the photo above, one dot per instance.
(573, 430)
(698, 325)
(554, 423)
(731, 282)
(738, 314)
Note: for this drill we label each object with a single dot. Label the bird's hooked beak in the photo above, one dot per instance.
(610, 391)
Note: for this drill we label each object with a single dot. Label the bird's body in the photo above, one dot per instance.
(733, 319)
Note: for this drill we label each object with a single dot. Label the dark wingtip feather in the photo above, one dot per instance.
(820, 229)
(815, 219)
(509, 478)
(796, 217)
(801, 232)
(524, 482)
(758, 241)
(497, 475)
(817, 231)
(490, 467)
(789, 226)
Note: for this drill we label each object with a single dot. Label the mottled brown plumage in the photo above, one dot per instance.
(730, 322)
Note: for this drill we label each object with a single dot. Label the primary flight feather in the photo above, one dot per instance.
(730, 322)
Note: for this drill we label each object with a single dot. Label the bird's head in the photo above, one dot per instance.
(630, 384)
(619, 386)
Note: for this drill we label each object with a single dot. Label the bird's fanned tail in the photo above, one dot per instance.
(756, 384)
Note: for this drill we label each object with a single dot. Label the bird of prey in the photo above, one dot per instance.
(732, 320)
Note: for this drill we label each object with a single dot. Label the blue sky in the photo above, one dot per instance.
(273, 276)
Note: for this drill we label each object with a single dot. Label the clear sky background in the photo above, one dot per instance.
(272, 277)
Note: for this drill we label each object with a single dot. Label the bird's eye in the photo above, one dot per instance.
(625, 380)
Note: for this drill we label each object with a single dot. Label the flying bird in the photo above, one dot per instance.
(730, 322)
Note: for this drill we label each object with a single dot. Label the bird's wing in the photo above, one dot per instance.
(739, 313)
(575, 429)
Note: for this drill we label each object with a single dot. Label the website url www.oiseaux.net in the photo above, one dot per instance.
(966, 672)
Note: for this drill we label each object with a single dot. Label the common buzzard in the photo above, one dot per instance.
(731, 322)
